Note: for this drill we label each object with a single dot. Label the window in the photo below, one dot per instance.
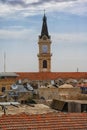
(3, 89)
(84, 90)
(44, 64)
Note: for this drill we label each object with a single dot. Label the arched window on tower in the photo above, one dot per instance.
(44, 64)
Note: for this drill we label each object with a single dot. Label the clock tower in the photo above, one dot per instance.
(44, 56)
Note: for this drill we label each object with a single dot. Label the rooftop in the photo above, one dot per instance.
(48, 121)
(51, 75)
(28, 109)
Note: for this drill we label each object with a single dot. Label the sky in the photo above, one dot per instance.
(20, 26)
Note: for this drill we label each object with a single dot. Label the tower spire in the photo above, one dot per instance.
(44, 55)
(44, 30)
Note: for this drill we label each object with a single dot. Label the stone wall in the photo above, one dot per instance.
(48, 93)
(6, 83)
(59, 93)
(69, 93)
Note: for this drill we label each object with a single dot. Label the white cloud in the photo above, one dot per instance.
(30, 1)
(32, 7)
(79, 7)
(4, 10)
(19, 32)
(16, 34)
(70, 37)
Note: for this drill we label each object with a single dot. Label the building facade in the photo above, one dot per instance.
(44, 56)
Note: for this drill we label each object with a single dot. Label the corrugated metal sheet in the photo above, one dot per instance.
(8, 74)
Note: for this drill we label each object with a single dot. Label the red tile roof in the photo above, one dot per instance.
(51, 75)
(49, 121)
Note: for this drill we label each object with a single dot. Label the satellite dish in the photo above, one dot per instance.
(14, 86)
(30, 87)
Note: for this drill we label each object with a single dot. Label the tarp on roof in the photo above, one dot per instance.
(66, 86)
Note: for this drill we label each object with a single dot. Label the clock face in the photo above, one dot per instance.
(44, 48)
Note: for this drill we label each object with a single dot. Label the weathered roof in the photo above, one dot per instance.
(38, 108)
(49, 121)
(8, 74)
(51, 75)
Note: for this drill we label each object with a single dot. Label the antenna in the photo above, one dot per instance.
(77, 69)
(4, 62)
(44, 11)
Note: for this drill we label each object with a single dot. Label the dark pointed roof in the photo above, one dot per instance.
(44, 30)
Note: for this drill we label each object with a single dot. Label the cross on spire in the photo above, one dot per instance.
(44, 11)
